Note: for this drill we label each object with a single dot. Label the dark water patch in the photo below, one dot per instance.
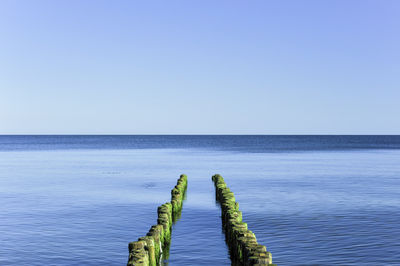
(235, 143)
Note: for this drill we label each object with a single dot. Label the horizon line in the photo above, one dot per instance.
(183, 134)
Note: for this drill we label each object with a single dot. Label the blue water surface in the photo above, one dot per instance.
(79, 200)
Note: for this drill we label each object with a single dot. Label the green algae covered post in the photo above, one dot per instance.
(150, 249)
(242, 242)
(177, 195)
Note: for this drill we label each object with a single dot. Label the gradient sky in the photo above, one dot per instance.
(200, 67)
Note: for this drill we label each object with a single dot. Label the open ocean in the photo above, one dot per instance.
(79, 200)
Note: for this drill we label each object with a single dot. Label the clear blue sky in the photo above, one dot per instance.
(202, 67)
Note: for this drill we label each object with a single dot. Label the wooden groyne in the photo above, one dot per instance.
(243, 246)
(150, 249)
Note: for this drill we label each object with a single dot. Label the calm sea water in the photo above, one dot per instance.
(79, 200)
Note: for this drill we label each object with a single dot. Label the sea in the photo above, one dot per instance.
(311, 200)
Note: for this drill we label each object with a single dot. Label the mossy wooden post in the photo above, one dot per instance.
(152, 248)
(138, 254)
(242, 242)
(165, 219)
(177, 196)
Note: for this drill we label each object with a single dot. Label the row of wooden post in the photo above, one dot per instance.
(243, 246)
(152, 248)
